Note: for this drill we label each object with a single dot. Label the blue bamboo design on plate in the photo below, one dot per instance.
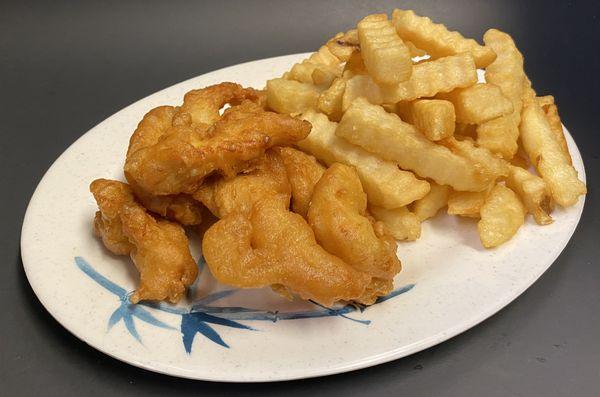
(200, 317)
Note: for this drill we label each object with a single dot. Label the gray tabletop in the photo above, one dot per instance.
(65, 66)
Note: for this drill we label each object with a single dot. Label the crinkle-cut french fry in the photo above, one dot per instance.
(386, 185)
(466, 203)
(435, 200)
(546, 155)
(414, 51)
(551, 111)
(385, 134)
(355, 65)
(436, 39)
(330, 101)
(500, 135)
(502, 215)
(386, 56)
(533, 192)
(402, 224)
(484, 159)
(290, 96)
(434, 118)
(321, 68)
(428, 79)
(343, 45)
(478, 103)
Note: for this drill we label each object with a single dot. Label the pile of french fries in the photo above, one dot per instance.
(400, 101)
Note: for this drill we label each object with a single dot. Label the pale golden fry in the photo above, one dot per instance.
(330, 100)
(436, 39)
(500, 135)
(275, 246)
(377, 131)
(386, 185)
(428, 79)
(478, 103)
(183, 158)
(428, 206)
(414, 51)
(466, 203)
(178, 207)
(402, 224)
(502, 215)
(553, 118)
(321, 68)
(337, 215)
(223, 196)
(386, 56)
(289, 96)
(202, 106)
(486, 161)
(303, 172)
(434, 118)
(355, 65)
(533, 192)
(546, 155)
(158, 248)
(343, 45)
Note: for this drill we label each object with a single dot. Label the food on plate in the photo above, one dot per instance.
(180, 160)
(502, 214)
(428, 206)
(478, 103)
(436, 39)
(272, 245)
(401, 223)
(338, 216)
(546, 155)
(500, 135)
(466, 203)
(427, 79)
(434, 118)
(377, 131)
(533, 192)
(303, 172)
(386, 57)
(304, 186)
(223, 196)
(386, 185)
(159, 248)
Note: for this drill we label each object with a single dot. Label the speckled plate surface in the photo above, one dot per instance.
(449, 283)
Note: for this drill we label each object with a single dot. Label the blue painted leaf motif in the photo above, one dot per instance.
(144, 315)
(130, 325)
(215, 297)
(191, 324)
(221, 321)
(100, 279)
(115, 317)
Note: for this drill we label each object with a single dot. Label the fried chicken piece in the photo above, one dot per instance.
(181, 159)
(272, 245)
(223, 196)
(303, 171)
(202, 106)
(178, 207)
(158, 248)
(339, 218)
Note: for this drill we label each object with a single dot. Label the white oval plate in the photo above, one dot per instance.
(448, 284)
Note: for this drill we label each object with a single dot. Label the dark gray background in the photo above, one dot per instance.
(65, 66)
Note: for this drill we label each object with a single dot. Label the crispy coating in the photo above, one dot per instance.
(202, 106)
(159, 248)
(303, 172)
(272, 245)
(338, 216)
(223, 196)
(182, 158)
(180, 207)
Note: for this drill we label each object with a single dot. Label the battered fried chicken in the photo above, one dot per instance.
(339, 218)
(182, 158)
(273, 246)
(159, 248)
(222, 196)
(178, 207)
(303, 171)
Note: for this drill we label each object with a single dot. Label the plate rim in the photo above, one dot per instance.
(372, 360)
